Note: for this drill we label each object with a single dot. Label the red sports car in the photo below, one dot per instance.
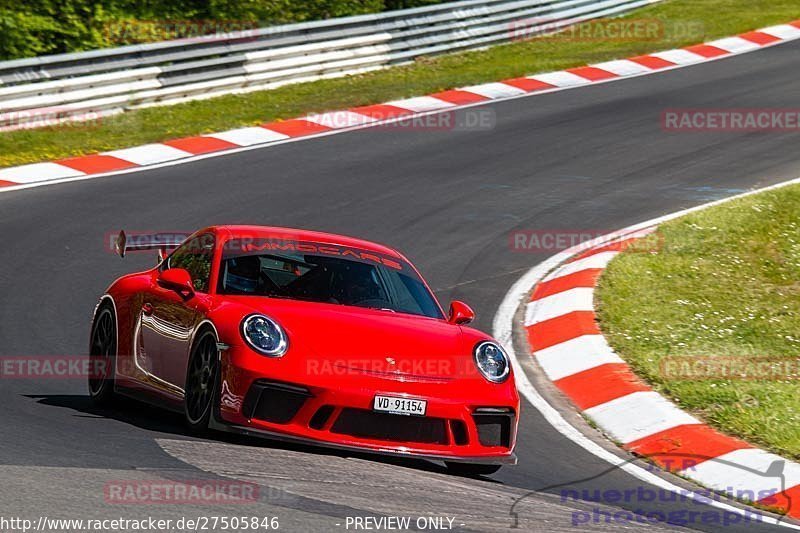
(307, 336)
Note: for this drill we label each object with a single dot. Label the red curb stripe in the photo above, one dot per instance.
(675, 449)
(200, 145)
(759, 37)
(787, 501)
(96, 164)
(706, 50)
(301, 127)
(382, 111)
(601, 384)
(682, 447)
(592, 73)
(460, 97)
(527, 84)
(296, 127)
(561, 329)
(652, 62)
(584, 278)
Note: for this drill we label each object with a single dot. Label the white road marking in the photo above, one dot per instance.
(503, 327)
(576, 355)
(248, 136)
(37, 172)
(578, 299)
(149, 154)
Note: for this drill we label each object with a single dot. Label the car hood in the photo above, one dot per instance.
(371, 339)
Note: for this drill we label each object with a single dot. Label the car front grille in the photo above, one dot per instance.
(361, 423)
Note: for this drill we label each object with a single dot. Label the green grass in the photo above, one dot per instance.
(725, 282)
(713, 18)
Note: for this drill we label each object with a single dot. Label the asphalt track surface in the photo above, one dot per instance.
(592, 158)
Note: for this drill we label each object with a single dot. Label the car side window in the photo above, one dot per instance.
(195, 256)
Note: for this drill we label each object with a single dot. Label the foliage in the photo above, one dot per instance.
(722, 285)
(718, 18)
(40, 27)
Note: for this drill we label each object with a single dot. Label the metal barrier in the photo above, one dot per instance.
(104, 82)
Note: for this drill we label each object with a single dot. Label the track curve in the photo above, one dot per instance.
(593, 158)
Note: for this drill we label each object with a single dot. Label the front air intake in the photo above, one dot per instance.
(321, 417)
(277, 403)
(494, 426)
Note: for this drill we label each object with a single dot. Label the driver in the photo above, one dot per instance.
(242, 274)
(359, 284)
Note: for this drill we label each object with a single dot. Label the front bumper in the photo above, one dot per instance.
(472, 422)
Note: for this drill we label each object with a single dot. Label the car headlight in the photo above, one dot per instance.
(492, 362)
(265, 335)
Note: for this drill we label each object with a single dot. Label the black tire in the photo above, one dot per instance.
(201, 382)
(102, 355)
(471, 469)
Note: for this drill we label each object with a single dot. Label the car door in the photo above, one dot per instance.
(168, 319)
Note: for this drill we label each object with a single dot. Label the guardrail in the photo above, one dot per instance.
(40, 91)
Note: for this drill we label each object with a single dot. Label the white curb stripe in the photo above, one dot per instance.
(248, 136)
(623, 67)
(598, 260)
(579, 299)
(638, 415)
(421, 104)
(561, 79)
(503, 328)
(735, 45)
(149, 154)
(38, 172)
(576, 355)
(679, 57)
(782, 31)
(746, 471)
(494, 90)
(340, 119)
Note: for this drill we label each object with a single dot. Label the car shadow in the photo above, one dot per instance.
(151, 418)
(126, 410)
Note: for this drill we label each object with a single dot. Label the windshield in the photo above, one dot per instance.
(323, 273)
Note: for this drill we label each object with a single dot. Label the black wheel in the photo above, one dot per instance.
(102, 353)
(472, 469)
(201, 379)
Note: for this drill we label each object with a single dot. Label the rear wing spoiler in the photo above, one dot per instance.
(163, 242)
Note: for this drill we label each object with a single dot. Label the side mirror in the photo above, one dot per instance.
(460, 313)
(178, 280)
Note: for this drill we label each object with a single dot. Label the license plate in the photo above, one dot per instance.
(399, 406)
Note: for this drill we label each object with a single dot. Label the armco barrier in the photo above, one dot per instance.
(42, 90)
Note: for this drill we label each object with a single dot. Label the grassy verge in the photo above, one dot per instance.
(726, 282)
(714, 18)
